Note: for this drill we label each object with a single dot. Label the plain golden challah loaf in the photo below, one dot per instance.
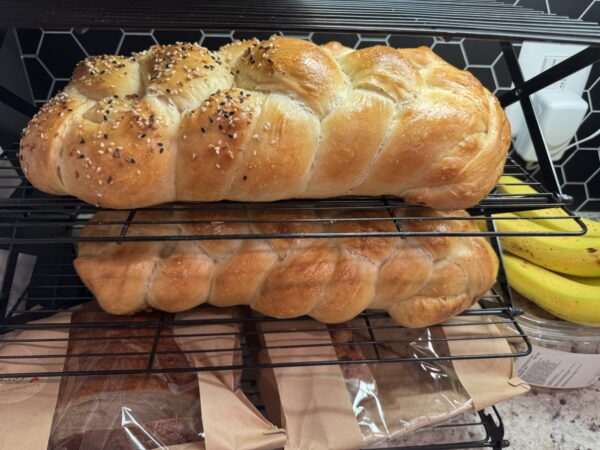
(418, 280)
(261, 121)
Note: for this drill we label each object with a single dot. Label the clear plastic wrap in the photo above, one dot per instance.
(120, 411)
(124, 411)
(392, 399)
(379, 403)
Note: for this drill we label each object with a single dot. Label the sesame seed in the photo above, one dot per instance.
(194, 156)
(202, 129)
(255, 137)
(217, 166)
(99, 194)
(273, 141)
(139, 172)
(266, 126)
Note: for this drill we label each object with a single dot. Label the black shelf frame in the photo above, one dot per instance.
(30, 219)
(487, 19)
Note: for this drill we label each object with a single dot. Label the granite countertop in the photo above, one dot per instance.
(565, 420)
(559, 420)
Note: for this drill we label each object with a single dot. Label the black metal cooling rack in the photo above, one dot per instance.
(56, 288)
(43, 219)
(30, 218)
(466, 18)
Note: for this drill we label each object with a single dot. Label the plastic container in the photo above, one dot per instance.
(565, 355)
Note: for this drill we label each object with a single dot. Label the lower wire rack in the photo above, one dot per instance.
(482, 429)
(55, 291)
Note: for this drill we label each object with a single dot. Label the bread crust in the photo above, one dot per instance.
(268, 120)
(418, 280)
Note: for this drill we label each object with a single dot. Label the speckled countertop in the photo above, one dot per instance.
(560, 420)
(565, 420)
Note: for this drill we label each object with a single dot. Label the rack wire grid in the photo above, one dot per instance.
(450, 18)
(56, 288)
(482, 429)
(29, 216)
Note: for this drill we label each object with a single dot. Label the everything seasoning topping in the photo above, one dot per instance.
(227, 111)
(260, 54)
(169, 61)
(93, 69)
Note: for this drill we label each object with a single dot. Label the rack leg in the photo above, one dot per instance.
(539, 144)
(549, 76)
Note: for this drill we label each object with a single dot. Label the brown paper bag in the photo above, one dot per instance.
(27, 403)
(501, 380)
(391, 399)
(315, 408)
(63, 405)
(230, 421)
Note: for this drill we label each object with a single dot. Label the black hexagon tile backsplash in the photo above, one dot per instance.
(50, 56)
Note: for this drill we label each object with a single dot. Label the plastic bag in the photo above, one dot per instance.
(378, 403)
(391, 399)
(124, 411)
(203, 410)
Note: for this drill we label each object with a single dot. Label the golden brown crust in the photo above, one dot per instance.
(308, 122)
(419, 280)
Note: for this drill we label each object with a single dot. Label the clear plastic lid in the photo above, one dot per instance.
(546, 330)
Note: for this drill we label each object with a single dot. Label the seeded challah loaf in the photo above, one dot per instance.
(262, 121)
(418, 280)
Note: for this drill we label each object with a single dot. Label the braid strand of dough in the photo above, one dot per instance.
(262, 121)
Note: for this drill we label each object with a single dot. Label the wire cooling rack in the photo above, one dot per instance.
(29, 216)
(55, 288)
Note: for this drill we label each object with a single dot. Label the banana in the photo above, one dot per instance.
(553, 224)
(573, 255)
(591, 281)
(563, 297)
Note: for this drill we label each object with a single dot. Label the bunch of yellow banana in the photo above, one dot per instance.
(559, 273)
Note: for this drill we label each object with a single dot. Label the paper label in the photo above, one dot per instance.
(18, 389)
(560, 370)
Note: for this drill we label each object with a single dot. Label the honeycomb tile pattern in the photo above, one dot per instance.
(50, 55)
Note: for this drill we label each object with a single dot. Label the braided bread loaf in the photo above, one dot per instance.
(262, 121)
(418, 280)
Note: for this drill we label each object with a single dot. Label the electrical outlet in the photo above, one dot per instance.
(559, 107)
(535, 57)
